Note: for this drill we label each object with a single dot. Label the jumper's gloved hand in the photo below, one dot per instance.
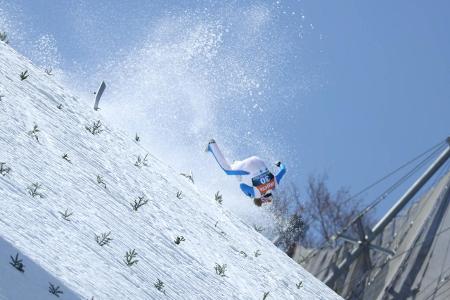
(278, 163)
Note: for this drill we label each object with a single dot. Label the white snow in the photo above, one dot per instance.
(66, 254)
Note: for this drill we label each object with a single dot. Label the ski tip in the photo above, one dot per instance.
(211, 141)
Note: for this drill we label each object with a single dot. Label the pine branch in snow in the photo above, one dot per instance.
(4, 37)
(137, 138)
(54, 290)
(159, 285)
(265, 295)
(300, 284)
(258, 228)
(103, 239)
(100, 181)
(243, 253)
(17, 263)
(180, 195)
(141, 161)
(130, 258)
(95, 128)
(218, 198)
(257, 253)
(66, 215)
(189, 176)
(179, 239)
(220, 269)
(34, 132)
(138, 203)
(66, 157)
(24, 75)
(33, 190)
(4, 169)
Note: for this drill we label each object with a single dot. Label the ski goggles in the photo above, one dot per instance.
(268, 195)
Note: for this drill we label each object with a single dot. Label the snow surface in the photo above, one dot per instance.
(66, 254)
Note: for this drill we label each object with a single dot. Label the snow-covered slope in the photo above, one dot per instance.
(66, 254)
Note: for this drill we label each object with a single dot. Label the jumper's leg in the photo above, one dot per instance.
(218, 155)
(223, 163)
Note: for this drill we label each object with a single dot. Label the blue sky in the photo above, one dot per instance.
(353, 88)
(386, 93)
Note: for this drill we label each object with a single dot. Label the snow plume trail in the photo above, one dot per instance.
(193, 78)
(179, 78)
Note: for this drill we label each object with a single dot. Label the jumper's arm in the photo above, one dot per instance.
(281, 171)
(248, 190)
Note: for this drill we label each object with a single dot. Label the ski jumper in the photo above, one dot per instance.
(256, 179)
